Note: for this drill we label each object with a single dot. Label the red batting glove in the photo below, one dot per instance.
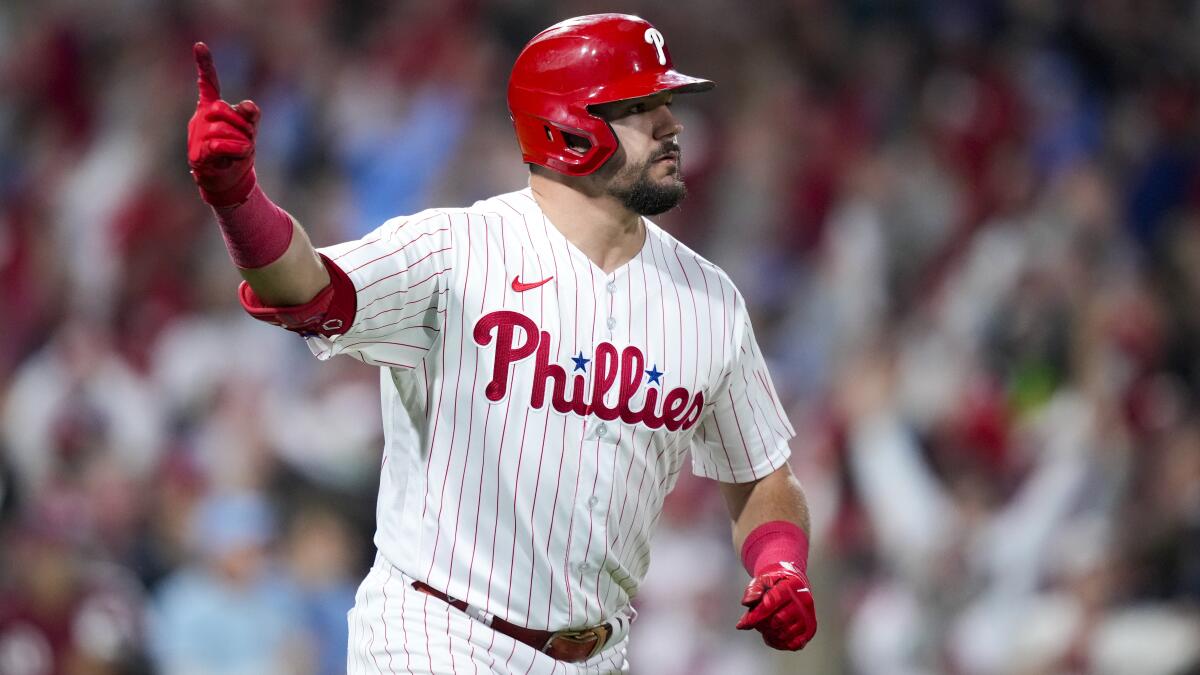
(780, 607)
(220, 139)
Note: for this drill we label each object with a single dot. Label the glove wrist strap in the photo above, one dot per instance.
(773, 542)
(236, 195)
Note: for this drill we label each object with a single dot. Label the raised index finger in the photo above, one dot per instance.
(210, 87)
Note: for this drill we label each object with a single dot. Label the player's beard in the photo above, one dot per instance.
(643, 195)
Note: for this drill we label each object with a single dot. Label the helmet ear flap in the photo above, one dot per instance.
(567, 149)
(567, 140)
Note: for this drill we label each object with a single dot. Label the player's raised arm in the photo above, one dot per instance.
(267, 245)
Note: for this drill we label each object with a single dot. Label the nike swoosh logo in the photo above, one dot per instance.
(521, 288)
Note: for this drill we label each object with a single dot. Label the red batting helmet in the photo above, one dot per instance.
(599, 58)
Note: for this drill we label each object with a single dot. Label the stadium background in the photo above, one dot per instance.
(969, 233)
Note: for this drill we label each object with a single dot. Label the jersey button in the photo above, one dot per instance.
(612, 323)
(593, 501)
(601, 429)
(611, 287)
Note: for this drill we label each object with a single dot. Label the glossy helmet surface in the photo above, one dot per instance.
(580, 62)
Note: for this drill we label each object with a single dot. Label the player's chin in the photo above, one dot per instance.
(664, 177)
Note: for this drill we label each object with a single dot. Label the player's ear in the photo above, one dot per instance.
(576, 143)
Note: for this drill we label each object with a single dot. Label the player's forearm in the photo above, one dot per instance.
(777, 496)
(294, 278)
(265, 243)
(770, 534)
(271, 250)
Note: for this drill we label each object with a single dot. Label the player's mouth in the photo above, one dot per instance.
(670, 156)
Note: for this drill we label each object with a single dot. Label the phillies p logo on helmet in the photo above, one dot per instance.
(656, 38)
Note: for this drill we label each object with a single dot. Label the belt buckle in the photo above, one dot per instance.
(579, 638)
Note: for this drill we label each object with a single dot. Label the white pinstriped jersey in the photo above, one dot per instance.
(533, 429)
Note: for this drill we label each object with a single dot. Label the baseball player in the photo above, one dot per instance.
(548, 360)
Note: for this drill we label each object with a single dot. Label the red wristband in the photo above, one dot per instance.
(257, 232)
(772, 542)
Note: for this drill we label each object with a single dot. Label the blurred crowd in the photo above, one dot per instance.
(969, 233)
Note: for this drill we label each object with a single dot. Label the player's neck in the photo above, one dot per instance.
(609, 234)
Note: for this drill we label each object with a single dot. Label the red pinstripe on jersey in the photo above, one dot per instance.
(570, 489)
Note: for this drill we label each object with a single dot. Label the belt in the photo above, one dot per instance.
(571, 646)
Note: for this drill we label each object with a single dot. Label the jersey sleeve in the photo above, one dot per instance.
(401, 275)
(744, 435)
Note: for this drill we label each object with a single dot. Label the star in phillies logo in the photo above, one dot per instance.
(653, 375)
(580, 362)
(517, 337)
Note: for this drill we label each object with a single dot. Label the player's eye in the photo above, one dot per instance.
(637, 109)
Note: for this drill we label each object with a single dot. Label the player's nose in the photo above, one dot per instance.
(665, 122)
